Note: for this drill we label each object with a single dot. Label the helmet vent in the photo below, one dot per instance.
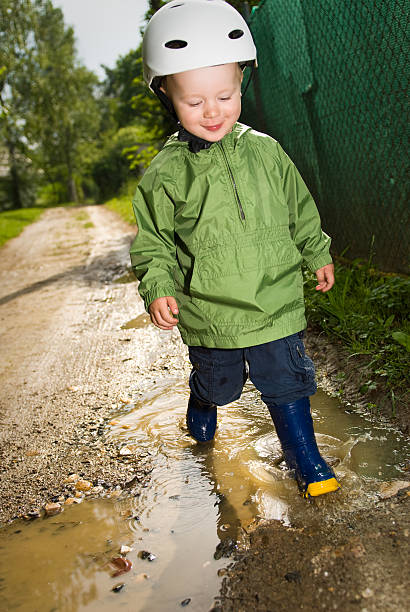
(235, 34)
(176, 5)
(176, 44)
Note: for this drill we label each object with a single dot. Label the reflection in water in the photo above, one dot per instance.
(202, 499)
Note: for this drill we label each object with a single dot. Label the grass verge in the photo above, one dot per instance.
(12, 222)
(122, 206)
(367, 311)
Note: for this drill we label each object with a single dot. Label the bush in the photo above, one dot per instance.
(112, 170)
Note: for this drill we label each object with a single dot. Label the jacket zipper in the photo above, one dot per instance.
(241, 211)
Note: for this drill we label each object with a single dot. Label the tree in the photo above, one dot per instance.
(16, 49)
(49, 106)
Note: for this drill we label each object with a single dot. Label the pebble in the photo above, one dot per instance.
(293, 576)
(83, 485)
(78, 494)
(125, 451)
(367, 593)
(125, 549)
(52, 509)
(72, 478)
(69, 501)
(117, 588)
(144, 554)
(123, 565)
(97, 490)
(185, 602)
(33, 514)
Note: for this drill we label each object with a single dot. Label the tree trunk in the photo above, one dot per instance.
(72, 190)
(15, 179)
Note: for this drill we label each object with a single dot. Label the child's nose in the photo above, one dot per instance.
(211, 109)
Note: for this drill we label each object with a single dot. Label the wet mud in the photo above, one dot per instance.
(92, 413)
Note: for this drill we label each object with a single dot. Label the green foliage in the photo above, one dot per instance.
(403, 339)
(18, 187)
(48, 103)
(52, 194)
(111, 168)
(122, 205)
(368, 312)
(133, 102)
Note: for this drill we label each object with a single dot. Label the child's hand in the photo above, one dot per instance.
(325, 277)
(160, 311)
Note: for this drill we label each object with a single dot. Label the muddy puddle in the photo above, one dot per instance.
(201, 501)
(138, 323)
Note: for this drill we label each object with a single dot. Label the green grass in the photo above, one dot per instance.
(368, 312)
(122, 206)
(12, 222)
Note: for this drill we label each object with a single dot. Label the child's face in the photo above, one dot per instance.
(206, 100)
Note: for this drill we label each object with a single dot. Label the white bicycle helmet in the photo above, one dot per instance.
(189, 34)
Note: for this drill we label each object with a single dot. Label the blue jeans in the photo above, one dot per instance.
(280, 370)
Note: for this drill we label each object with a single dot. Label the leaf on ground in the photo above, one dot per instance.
(403, 339)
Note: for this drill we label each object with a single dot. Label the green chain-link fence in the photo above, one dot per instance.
(331, 88)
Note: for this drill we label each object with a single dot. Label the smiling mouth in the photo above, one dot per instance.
(213, 128)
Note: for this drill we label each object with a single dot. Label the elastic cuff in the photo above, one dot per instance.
(156, 292)
(319, 261)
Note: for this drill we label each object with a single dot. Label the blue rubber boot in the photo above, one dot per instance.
(294, 426)
(201, 419)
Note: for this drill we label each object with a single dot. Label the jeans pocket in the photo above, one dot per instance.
(299, 361)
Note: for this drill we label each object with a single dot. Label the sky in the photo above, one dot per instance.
(104, 29)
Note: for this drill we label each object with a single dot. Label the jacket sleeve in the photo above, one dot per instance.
(153, 252)
(304, 219)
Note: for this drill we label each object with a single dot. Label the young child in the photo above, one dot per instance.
(224, 222)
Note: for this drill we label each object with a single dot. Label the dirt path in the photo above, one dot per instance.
(66, 365)
(65, 362)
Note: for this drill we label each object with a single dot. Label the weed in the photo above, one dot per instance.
(367, 311)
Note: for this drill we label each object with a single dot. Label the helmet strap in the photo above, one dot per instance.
(165, 101)
(252, 67)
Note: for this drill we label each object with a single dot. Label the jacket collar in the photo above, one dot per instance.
(229, 141)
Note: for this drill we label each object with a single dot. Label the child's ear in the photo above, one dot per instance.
(163, 85)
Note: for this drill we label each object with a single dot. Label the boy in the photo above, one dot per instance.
(224, 222)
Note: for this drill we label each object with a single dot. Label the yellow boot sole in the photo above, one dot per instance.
(323, 486)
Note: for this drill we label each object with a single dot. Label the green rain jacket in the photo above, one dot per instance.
(225, 231)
